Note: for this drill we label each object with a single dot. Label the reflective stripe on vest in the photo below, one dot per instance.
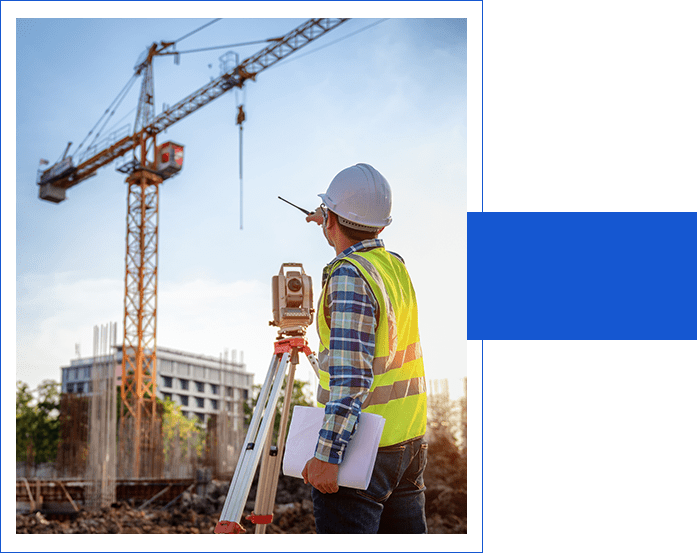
(398, 391)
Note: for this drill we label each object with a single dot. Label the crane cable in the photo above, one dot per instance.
(197, 30)
(241, 113)
(114, 104)
(241, 116)
(110, 116)
(122, 118)
(298, 56)
(226, 46)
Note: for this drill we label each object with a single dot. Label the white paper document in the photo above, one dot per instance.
(356, 469)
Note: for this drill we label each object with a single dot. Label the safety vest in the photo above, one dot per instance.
(398, 391)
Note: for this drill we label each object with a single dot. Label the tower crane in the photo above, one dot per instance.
(145, 172)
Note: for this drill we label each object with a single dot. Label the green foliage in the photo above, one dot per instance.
(175, 426)
(300, 396)
(37, 424)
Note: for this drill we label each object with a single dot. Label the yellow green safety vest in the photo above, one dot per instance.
(398, 392)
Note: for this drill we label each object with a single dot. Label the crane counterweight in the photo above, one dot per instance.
(51, 193)
(59, 170)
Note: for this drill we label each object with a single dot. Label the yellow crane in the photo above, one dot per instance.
(150, 166)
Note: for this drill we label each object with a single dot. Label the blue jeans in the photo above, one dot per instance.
(394, 502)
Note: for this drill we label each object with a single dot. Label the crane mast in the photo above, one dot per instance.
(140, 444)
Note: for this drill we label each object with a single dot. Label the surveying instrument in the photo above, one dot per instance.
(292, 314)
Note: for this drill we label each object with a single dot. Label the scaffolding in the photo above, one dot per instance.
(74, 432)
(102, 428)
(229, 426)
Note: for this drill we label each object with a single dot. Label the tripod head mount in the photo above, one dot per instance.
(292, 300)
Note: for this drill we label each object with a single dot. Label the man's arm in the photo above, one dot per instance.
(352, 308)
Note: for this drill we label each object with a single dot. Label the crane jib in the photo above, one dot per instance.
(63, 175)
(248, 69)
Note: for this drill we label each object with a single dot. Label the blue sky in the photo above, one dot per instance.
(392, 95)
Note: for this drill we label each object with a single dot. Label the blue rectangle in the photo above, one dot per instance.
(581, 276)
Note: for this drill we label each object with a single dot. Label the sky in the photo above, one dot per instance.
(386, 91)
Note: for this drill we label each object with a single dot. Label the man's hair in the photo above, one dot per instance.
(359, 235)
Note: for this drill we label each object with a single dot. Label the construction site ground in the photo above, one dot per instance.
(446, 506)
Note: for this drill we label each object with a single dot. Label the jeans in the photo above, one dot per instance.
(394, 502)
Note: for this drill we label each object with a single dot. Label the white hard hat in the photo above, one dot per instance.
(361, 197)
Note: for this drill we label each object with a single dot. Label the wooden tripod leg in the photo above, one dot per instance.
(271, 463)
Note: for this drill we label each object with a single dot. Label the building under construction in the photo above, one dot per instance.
(95, 464)
(201, 385)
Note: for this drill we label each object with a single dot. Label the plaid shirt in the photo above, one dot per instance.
(352, 309)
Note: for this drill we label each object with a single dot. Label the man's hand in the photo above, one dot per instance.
(315, 216)
(322, 475)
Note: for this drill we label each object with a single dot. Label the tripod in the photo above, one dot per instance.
(260, 439)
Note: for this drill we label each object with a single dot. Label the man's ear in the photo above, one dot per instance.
(383, 228)
(331, 219)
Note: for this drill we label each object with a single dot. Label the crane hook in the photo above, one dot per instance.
(240, 115)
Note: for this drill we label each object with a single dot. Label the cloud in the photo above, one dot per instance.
(204, 316)
(56, 312)
(209, 316)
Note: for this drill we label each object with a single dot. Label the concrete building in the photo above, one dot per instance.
(200, 384)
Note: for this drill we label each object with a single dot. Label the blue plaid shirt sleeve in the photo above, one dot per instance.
(353, 309)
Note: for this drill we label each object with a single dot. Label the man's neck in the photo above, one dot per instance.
(342, 242)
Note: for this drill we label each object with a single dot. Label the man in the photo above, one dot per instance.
(370, 360)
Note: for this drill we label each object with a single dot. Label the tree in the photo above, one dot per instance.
(300, 396)
(37, 423)
(176, 427)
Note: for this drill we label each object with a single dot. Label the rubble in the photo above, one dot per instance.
(446, 506)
